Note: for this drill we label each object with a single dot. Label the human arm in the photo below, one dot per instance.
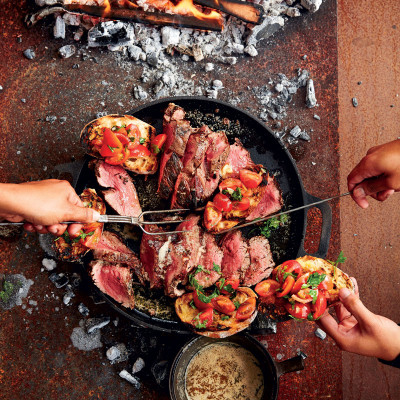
(360, 331)
(377, 174)
(44, 205)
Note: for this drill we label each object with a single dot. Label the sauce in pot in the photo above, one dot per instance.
(224, 371)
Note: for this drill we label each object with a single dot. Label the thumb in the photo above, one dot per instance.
(355, 306)
(82, 214)
(371, 186)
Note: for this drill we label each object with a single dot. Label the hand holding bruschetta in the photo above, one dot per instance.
(44, 204)
(377, 174)
(359, 330)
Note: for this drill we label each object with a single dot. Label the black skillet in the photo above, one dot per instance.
(264, 149)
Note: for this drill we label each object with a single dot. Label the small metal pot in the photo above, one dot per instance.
(271, 369)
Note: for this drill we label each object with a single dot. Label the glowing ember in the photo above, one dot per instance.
(187, 7)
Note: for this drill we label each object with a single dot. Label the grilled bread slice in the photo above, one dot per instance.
(139, 165)
(222, 325)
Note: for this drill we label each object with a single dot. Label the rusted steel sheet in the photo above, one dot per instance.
(37, 359)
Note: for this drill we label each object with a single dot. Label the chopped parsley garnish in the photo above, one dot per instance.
(237, 304)
(228, 288)
(225, 317)
(112, 148)
(199, 289)
(272, 224)
(82, 236)
(286, 274)
(192, 305)
(315, 279)
(132, 138)
(296, 319)
(237, 194)
(340, 260)
(7, 291)
(216, 268)
(314, 294)
(310, 317)
(142, 140)
(202, 325)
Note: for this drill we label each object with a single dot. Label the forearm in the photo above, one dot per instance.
(10, 199)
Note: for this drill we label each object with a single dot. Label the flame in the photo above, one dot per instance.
(107, 7)
(187, 7)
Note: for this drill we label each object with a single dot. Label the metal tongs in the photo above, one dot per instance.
(126, 219)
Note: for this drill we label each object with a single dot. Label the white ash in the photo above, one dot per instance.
(354, 101)
(1, 88)
(85, 341)
(295, 132)
(95, 324)
(49, 264)
(130, 378)
(209, 67)
(67, 51)
(33, 303)
(29, 54)
(59, 28)
(83, 309)
(138, 366)
(311, 100)
(51, 118)
(139, 93)
(68, 297)
(59, 280)
(117, 353)
(319, 333)
(217, 84)
(317, 117)
(146, 42)
(23, 100)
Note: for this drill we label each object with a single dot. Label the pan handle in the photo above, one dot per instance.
(73, 168)
(291, 365)
(326, 228)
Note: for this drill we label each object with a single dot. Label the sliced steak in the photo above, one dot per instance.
(184, 256)
(172, 170)
(217, 152)
(182, 195)
(195, 152)
(210, 256)
(269, 200)
(114, 280)
(238, 159)
(236, 257)
(153, 255)
(121, 195)
(112, 249)
(173, 113)
(182, 132)
(261, 262)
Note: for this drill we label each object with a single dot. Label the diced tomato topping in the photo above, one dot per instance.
(119, 158)
(230, 285)
(289, 267)
(91, 241)
(298, 310)
(230, 183)
(204, 319)
(223, 304)
(286, 287)
(158, 142)
(303, 296)
(123, 139)
(241, 205)
(139, 151)
(249, 178)
(300, 282)
(211, 215)
(246, 309)
(222, 202)
(267, 287)
(119, 130)
(320, 305)
(200, 304)
(327, 283)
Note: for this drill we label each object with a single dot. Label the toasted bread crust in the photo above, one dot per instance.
(138, 165)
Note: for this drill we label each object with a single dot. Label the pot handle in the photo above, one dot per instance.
(325, 231)
(291, 365)
(73, 168)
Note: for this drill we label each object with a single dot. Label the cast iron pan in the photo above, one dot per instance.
(264, 149)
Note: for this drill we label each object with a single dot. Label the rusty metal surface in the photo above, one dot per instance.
(37, 359)
(368, 53)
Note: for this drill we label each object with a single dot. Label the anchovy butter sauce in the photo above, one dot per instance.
(224, 371)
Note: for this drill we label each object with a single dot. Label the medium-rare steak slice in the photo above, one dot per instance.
(269, 199)
(211, 255)
(154, 254)
(217, 152)
(112, 249)
(236, 257)
(239, 158)
(114, 280)
(196, 149)
(261, 262)
(172, 170)
(184, 256)
(182, 195)
(121, 195)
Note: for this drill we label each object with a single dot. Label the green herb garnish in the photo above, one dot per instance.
(225, 317)
(142, 140)
(237, 304)
(112, 148)
(216, 268)
(314, 294)
(296, 319)
(310, 317)
(237, 194)
(132, 138)
(193, 305)
(5, 294)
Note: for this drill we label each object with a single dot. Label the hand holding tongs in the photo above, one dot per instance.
(126, 219)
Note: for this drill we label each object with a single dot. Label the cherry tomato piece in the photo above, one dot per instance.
(327, 283)
(267, 288)
(303, 296)
(92, 240)
(139, 151)
(246, 309)
(223, 304)
(298, 310)
(230, 183)
(111, 143)
(204, 319)
(158, 142)
(119, 130)
(241, 205)
(119, 158)
(222, 202)
(286, 287)
(229, 286)
(249, 178)
(133, 134)
(211, 215)
(302, 280)
(320, 305)
(200, 304)
(123, 139)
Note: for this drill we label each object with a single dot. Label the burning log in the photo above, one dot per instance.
(243, 10)
(131, 14)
